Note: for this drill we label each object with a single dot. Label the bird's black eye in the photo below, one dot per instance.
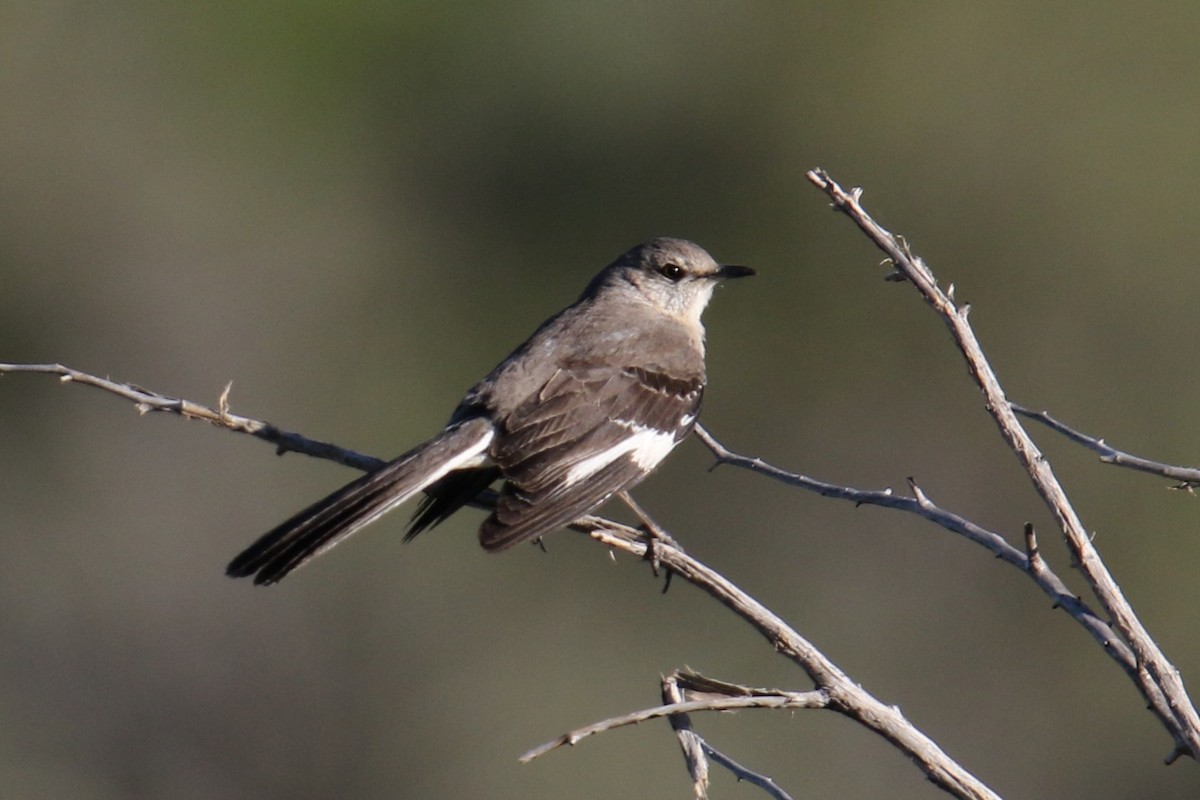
(672, 272)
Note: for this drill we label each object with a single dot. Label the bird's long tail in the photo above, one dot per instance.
(327, 522)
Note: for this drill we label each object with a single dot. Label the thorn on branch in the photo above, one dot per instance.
(1174, 755)
(223, 403)
(1036, 564)
(918, 492)
(894, 275)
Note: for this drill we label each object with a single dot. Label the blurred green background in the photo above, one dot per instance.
(352, 210)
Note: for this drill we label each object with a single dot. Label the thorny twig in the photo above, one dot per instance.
(1188, 477)
(1155, 674)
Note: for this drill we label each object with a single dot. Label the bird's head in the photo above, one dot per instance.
(673, 275)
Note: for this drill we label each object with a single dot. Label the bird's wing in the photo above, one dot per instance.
(589, 433)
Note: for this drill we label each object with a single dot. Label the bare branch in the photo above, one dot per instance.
(813, 699)
(696, 686)
(1189, 477)
(146, 401)
(696, 751)
(920, 504)
(1156, 672)
(834, 690)
(844, 695)
(743, 774)
(1046, 579)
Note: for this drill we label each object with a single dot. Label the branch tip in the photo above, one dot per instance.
(223, 402)
(1032, 552)
(1174, 755)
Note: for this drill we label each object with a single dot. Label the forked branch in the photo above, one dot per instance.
(1155, 674)
(1188, 477)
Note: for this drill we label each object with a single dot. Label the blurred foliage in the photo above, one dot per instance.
(354, 209)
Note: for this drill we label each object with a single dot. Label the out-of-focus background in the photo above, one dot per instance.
(353, 209)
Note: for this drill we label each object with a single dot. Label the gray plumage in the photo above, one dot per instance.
(584, 408)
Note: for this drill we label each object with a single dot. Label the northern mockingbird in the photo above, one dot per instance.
(587, 407)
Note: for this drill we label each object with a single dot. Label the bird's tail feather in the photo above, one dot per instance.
(327, 522)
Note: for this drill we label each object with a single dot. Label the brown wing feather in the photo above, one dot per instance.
(580, 413)
(519, 516)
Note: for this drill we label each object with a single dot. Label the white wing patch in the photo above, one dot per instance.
(648, 446)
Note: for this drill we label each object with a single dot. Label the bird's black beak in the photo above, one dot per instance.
(734, 271)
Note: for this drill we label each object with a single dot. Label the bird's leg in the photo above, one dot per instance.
(656, 536)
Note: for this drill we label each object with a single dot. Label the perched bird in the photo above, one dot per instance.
(586, 407)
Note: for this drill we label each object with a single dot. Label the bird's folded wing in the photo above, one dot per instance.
(589, 433)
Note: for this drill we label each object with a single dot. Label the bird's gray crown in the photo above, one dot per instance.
(670, 258)
(675, 276)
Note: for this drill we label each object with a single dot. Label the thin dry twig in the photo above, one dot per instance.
(1188, 477)
(813, 699)
(920, 504)
(677, 688)
(147, 401)
(1156, 673)
(743, 773)
(844, 695)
